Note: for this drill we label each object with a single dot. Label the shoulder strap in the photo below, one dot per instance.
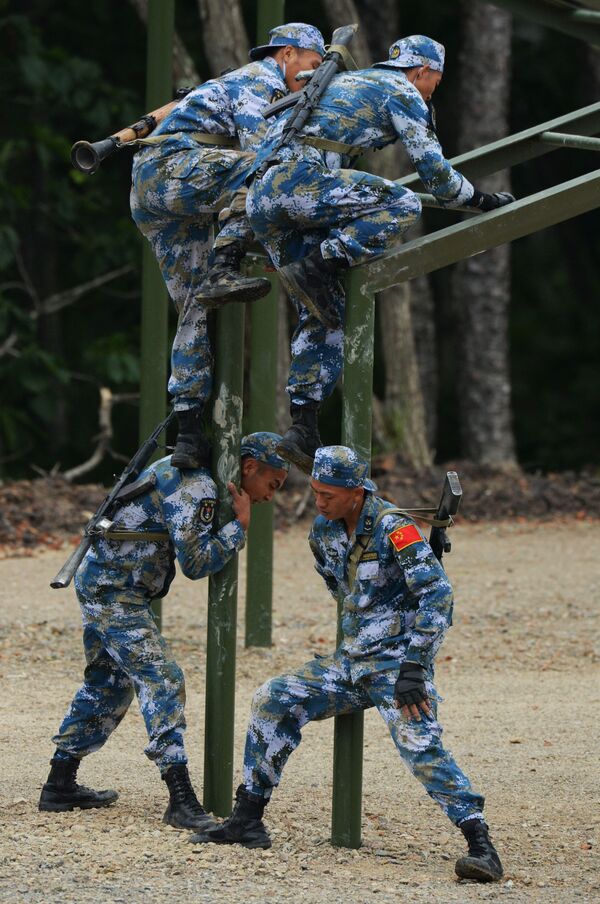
(360, 549)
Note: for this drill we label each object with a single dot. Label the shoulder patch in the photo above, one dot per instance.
(405, 536)
(278, 94)
(207, 510)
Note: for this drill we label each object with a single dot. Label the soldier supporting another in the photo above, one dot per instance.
(397, 606)
(190, 165)
(168, 515)
(316, 219)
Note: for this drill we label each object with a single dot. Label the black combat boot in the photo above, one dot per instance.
(225, 283)
(244, 826)
(184, 810)
(311, 281)
(482, 862)
(192, 449)
(300, 441)
(61, 792)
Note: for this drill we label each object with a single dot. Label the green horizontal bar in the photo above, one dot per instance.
(586, 15)
(520, 147)
(561, 17)
(581, 142)
(461, 240)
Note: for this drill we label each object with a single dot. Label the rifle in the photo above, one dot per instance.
(449, 504)
(306, 100)
(109, 507)
(87, 157)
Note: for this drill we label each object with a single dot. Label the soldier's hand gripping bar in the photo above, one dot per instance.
(109, 507)
(87, 156)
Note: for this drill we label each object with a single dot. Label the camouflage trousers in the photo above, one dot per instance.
(125, 654)
(352, 215)
(174, 198)
(323, 688)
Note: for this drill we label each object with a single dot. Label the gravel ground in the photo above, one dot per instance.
(520, 675)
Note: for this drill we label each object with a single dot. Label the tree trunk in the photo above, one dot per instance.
(223, 34)
(481, 286)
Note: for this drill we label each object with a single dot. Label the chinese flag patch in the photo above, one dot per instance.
(405, 536)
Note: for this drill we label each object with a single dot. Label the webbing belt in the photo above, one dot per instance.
(338, 147)
(148, 535)
(223, 141)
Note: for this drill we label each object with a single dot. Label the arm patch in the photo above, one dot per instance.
(206, 512)
(405, 536)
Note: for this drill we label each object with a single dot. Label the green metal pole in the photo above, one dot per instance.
(154, 328)
(263, 389)
(222, 590)
(356, 432)
(269, 14)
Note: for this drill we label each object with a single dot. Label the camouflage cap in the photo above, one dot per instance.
(340, 466)
(262, 446)
(298, 34)
(416, 50)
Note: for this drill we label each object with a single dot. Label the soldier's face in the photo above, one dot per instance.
(426, 81)
(297, 60)
(336, 503)
(260, 480)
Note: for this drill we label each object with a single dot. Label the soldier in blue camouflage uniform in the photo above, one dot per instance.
(316, 218)
(166, 515)
(185, 171)
(396, 609)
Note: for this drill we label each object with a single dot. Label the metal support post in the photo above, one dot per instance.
(155, 311)
(356, 432)
(263, 389)
(222, 591)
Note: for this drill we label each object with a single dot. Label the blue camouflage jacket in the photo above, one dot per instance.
(137, 571)
(231, 105)
(371, 108)
(400, 603)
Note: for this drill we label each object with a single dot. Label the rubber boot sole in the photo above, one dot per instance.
(466, 869)
(244, 294)
(293, 453)
(199, 827)
(203, 839)
(57, 807)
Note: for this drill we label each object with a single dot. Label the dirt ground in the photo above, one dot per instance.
(520, 676)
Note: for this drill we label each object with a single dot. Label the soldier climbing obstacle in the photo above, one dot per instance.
(166, 514)
(317, 219)
(397, 607)
(190, 165)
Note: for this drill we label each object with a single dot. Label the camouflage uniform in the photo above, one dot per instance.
(178, 183)
(397, 608)
(115, 585)
(308, 199)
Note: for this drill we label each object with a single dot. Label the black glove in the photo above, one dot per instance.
(486, 202)
(410, 685)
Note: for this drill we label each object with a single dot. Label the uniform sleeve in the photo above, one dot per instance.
(411, 120)
(189, 514)
(428, 586)
(332, 584)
